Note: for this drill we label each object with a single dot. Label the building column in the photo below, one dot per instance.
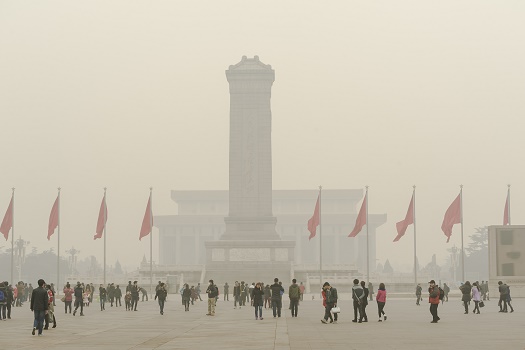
(197, 250)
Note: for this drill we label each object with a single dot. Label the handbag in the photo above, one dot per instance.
(481, 304)
(63, 299)
(336, 310)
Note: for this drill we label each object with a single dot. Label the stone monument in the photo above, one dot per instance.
(250, 248)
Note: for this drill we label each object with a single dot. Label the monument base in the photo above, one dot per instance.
(249, 261)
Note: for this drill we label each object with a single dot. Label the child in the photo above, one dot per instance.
(85, 298)
(127, 301)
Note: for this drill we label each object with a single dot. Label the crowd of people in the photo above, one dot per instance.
(258, 294)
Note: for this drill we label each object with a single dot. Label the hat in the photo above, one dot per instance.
(432, 281)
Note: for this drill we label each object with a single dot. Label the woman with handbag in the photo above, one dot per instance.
(381, 301)
(465, 290)
(476, 297)
(68, 296)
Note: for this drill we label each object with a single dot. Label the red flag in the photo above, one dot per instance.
(53, 220)
(314, 221)
(452, 217)
(402, 226)
(7, 223)
(361, 219)
(506, 213)
(147, 222)
(102, 219)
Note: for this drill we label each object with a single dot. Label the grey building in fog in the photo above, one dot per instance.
(201, 214)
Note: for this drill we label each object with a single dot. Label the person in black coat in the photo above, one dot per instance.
(257, 298)
(79, 299)
(276, 289)
(161, 293)
(236, 295)
(39, 305)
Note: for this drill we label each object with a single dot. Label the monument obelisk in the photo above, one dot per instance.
(250, 240)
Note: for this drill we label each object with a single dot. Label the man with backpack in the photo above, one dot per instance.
(433, 298)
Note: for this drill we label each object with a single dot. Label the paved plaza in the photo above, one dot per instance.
(408, 327)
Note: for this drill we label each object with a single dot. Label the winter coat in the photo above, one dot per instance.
(294, 292)
(331, 296)
(187, 294)
(433, 297)
(257, 296)
(476, 295)
(161, 294)
(39, 299)
(381, 296)
(465, 290)
(276, 289)
(68, 293)
(236, 291)
(357, 293)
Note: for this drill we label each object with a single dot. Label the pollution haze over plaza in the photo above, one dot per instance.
(130, 95)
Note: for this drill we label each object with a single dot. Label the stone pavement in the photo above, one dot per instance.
(408, 327)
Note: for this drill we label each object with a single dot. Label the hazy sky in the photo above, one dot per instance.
(133, 94)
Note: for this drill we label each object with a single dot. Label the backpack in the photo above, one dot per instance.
(441, 293)
(2, 296)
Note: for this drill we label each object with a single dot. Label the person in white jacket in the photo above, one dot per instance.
(476, 297)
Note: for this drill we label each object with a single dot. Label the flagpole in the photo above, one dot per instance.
(320, 241)
(151, 241)
(367, 244)
(105, 206)
(508, 199)
(461, 218)
(13, 237)
(414, 219)
(58, 287)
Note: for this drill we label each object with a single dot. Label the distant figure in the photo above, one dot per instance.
(236, 294)
(381, 301)
(134, 295)
(267, 296)
(127, 301)
(118, 296)
(144, 294)
(50, 316)
(39, 306)
(213, 292)
(187, 296)
(102, 293)
(509, 299)
(198, 290)
(370, 290)
(257, 300)
(3, 300)
(29, 291)
(68, 297)
(418, 293)
(79, 301)
(433, 299)
(446, 289)
(161, 294)
(243, 294)
(466, 289)
(294, 294)
(357, 296)
(476, 297)
(226, 292)
(276, 289)
(250, 292)
(329, 302)
(503, 296)
(364, 303)
(301, 289)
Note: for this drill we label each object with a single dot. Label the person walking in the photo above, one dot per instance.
(39, 305)
(187, 295)
(503, 296)
(212, 297)
(267, 296)
(418, 294)
(50, 316)
(198, 290)
(301, 290)
(364, 303)
(276, 289)
(329, 302)
(509, 299)
(294, 294)
(236, 295)
(466, 289)
(161, 294)
(3, 301)
(118, 296)
(446, 289)
(381, 301)
(357, 296)
(257, 299)
(226, 292)
(79, 302)
(134, 295)
(243, 294)
(433, 299)
(102, 293)
(370, 290)
(68, 297)
(476, 297)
